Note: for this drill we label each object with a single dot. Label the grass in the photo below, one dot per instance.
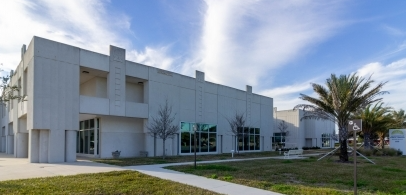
(309, 176)
(116, 182)
(188, 158)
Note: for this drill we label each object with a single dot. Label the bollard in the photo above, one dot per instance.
(232, 153)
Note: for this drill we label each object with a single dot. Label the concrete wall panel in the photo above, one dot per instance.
(94, 105)
(210, 87)
(136, 70)
(94, 60)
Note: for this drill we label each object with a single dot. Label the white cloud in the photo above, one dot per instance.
(395, 74)
(86, 24)
(157, 57)
(243, 41)
(286, 97)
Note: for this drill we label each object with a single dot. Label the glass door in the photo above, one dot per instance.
(88, 137)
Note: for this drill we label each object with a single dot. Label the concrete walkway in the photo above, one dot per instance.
(19, 168)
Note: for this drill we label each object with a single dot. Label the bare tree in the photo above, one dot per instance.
(162, 125)
(282, 126)
(237, 123)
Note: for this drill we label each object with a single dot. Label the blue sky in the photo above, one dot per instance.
(278, 47)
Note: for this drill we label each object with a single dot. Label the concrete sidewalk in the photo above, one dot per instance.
(198, 181)
(214, 185)
(19, 168)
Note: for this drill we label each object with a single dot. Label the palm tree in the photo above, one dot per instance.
(400, 119)
(341, 97)
(374, 118)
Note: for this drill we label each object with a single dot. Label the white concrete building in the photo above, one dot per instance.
(302, 133)
(84, 103)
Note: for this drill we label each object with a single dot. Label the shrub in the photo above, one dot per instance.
(366, 152)
(389, 152)
(228, 178)
(214, 176)
(311, 148)
(399, 152)
(379, 153)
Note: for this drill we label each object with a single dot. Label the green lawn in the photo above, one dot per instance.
(116, 182)
(309, 176)
(188, 158)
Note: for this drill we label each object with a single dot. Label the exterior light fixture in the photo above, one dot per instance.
(85, 72)
(140, 83)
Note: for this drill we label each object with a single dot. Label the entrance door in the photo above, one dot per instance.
(87, 137)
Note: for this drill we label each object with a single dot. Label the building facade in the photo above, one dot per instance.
(302, 133)
(79, 102)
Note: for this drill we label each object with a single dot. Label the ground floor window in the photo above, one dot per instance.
(204, 134)
(249, 139)
(325, 140)
(87, 138)
(278, 139)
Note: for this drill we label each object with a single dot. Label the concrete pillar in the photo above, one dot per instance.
(70, 145)
(116, 81)
(56, 139)
(43, 146)
(96, 135)
(21, 145)
(33, 146)
(2, 144)
(200, 82)
(10, 144)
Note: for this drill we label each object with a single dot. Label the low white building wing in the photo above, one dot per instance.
(85, 103)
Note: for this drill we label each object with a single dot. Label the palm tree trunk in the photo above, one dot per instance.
(343, 145)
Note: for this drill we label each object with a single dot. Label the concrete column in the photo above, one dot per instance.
(56, 145)
(10, 144)
(43, 146)
(96, 135)
(116, 81)
(70, 145)
(199, 96)
(21, 145)
(33, 146)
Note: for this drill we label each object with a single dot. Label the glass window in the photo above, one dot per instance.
(87, 124)
(184, 126)
(213, 128)
(257, 142)
(91, 124)
(86, 137)
(185, 142)
(205, 138)
(212, 142)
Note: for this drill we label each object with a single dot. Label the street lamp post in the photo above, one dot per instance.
(195, 129)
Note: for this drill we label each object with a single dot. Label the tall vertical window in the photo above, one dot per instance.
(206, 135)
(87, 137)
(325, 140)
(248, 139)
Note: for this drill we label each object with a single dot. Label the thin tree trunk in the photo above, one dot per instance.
(367, 141)
(163, 147)
(343, 145)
